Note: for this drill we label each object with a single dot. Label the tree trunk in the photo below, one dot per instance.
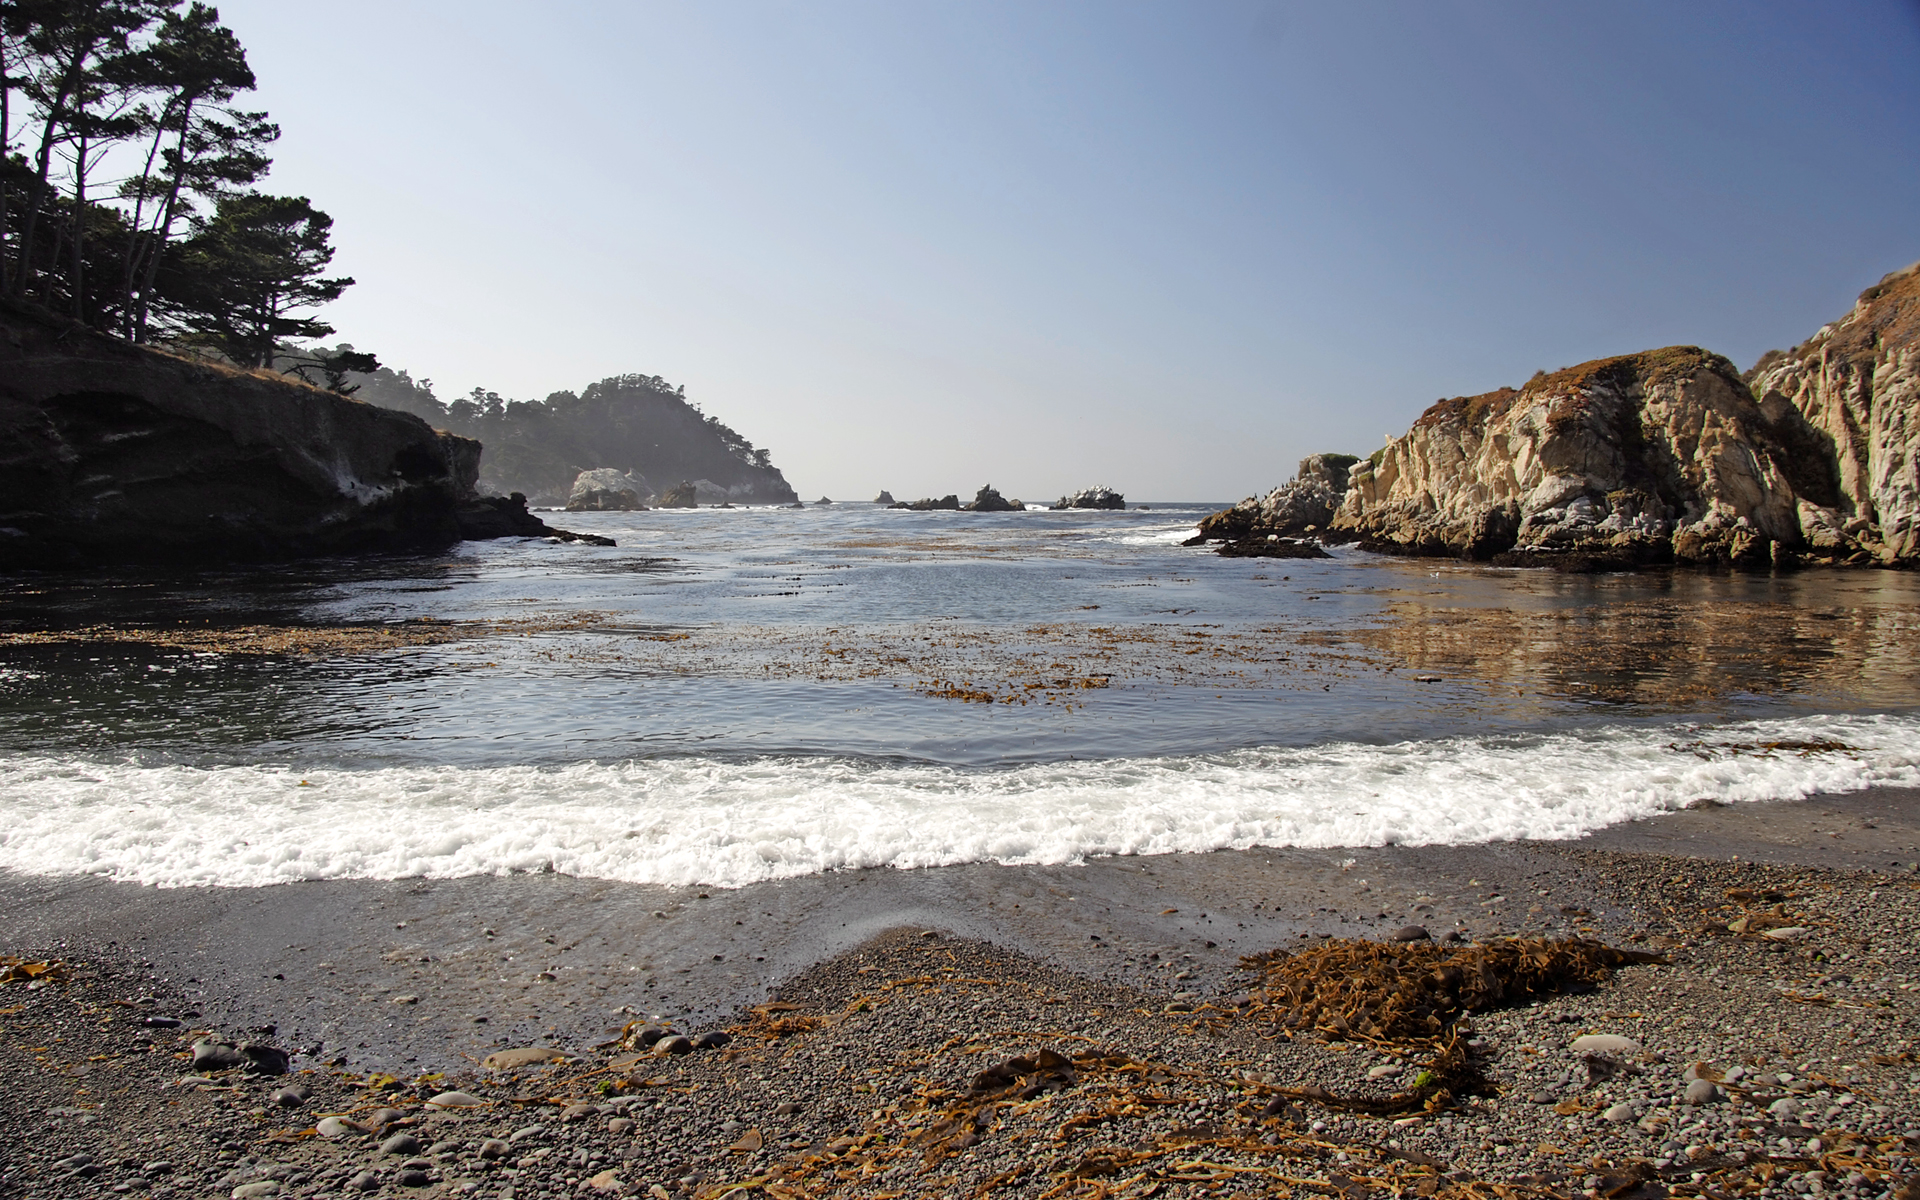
(140, 243)
(71, 74)
(6, 132)
(80, 231)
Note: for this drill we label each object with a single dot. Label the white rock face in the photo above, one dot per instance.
(604, 489)
(1099, 496)
(1857, 383)
(1648, 457)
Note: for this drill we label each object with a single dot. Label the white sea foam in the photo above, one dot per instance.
(691, 820)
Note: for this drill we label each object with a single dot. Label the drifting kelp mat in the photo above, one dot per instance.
(303, 641)
(1386, 992)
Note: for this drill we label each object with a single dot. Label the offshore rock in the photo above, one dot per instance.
(681, 495)
(1093, 497)
(948, 503)
(1849, 399)
(1305, 505)
(487, 517)
(987, 499)
(604, 489)
(117, 453)
(1654, 457)
(885, 497)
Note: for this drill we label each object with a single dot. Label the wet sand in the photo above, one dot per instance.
(498, 961)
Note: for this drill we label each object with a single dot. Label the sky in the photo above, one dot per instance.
(1166, 247)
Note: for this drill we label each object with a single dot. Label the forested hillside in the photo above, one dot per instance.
(638, 424)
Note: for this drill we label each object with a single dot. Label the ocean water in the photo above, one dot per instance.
(732, 696)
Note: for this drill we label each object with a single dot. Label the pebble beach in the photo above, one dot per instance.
(1763, 1046)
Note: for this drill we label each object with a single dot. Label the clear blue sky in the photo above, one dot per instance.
(1170, 247)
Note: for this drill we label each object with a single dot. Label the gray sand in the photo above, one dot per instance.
(549, 957)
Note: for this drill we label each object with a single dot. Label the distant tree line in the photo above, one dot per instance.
(638, 423)
(126, 197)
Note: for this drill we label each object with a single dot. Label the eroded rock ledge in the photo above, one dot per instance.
(117, 453)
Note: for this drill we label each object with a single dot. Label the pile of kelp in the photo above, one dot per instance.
(1388, 992)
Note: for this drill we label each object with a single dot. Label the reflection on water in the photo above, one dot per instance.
(964, 638)
(1668, 642)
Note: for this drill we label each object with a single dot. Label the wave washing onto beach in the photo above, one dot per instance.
(712, 822)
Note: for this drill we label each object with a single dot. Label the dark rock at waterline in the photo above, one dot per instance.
(989, 499)
(507, 516)
(1271, 546)
(885, 497)
(947, 503)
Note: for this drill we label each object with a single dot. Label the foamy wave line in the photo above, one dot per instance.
(706, 821)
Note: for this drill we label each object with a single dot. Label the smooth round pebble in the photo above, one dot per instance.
(336, 1127)
(1703, 1091)
(401, 1143)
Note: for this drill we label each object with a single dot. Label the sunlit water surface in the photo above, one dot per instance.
(735, 695)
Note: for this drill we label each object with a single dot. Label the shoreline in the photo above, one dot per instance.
(484, 945)
(904, 983)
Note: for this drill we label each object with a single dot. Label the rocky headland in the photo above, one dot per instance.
(117, 453)
(1665, 456)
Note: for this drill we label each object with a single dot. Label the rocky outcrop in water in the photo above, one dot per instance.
(989, 499)
(1645, 458)
(1672, 456)
(604, 489)
(1302, 507)
(681, 495)
(1855, 389)
(947, 503)
(115, 453)
(885, 497)
(1093, 497)
(1664, 456)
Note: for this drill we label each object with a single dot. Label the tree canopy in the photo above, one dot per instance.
(127, 180)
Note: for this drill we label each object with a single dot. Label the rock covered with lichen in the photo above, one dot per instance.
(1651, 457)
(1854, 388)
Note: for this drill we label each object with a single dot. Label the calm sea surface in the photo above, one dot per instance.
(734, 695)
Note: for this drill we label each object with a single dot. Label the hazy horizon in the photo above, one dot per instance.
(1169, 249)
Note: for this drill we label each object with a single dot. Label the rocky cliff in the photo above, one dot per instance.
(113, 453)
(1855, 386)
(1664, 456)
(1644, 458)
